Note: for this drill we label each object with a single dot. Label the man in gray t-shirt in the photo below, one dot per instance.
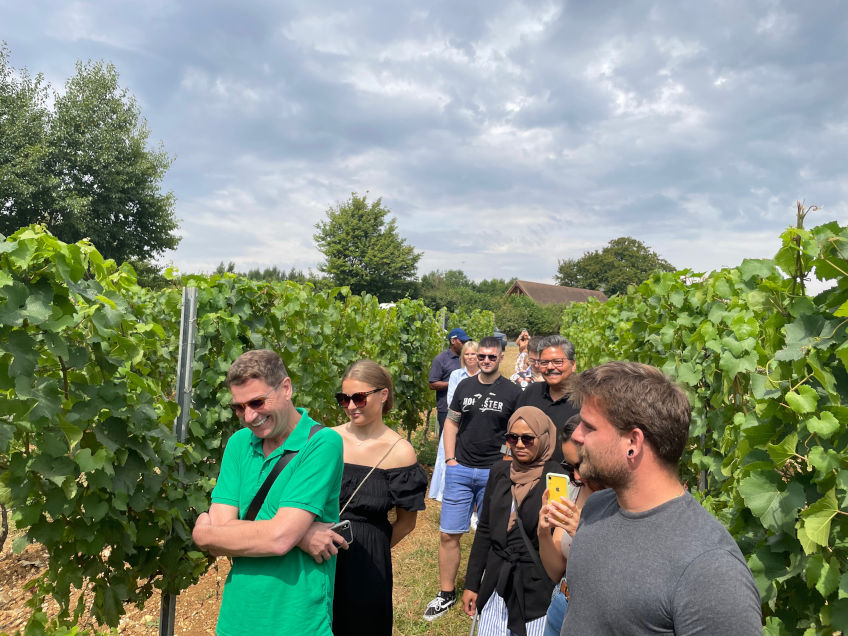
(647, 558)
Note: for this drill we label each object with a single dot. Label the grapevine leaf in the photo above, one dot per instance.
(688, 374)
(823, 574)
(839, 615)
(804, 400)
(25, 352)
(774, 627)
(843, 586)
(756, 268)
(842, 311)
(73, 433)
(20, 543)
(784, 450)
(815, 520)
(824, 426)
(38, 305)
(825, 462)
(733, 366)
(776, 509)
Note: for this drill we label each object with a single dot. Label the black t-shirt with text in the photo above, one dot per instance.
(485, 409)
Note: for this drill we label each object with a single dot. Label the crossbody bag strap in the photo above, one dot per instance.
(259, 497)
(373, 468)
(534, 553)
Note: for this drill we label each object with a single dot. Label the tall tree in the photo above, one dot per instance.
(624, 261)
(26, 185)
(363, 250)
(83, 169)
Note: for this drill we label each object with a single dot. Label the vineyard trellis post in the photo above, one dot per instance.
(188, 328)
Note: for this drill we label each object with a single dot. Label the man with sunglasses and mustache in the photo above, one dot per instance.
(474, 431)
(556, 364)
(277, 583)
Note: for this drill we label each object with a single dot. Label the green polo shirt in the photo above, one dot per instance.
(289, 594)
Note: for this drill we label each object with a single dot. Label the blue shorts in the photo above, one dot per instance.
(464, 489)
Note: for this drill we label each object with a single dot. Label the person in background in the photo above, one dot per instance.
(560, 518)
(474, 430)
(505, 580)
(443, 365)
(533, 358)
(381, 473)
(468, 359)
(646, 553)
(556, 360)
(523, 375)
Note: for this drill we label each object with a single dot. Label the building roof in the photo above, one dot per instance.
(544, 294)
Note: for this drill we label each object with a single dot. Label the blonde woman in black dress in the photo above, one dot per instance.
(363, 591)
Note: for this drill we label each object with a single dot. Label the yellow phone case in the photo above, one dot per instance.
(557, 486)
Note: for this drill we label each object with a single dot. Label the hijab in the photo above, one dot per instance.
(525, 475)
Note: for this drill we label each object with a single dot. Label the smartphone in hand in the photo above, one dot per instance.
(557, 486)
(343, 529)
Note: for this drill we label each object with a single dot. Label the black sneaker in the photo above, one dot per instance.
(439, 605)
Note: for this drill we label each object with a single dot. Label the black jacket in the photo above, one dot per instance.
(503, 556)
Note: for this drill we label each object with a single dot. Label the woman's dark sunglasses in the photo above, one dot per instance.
(527, 440)
(255, 404)
(358, 399)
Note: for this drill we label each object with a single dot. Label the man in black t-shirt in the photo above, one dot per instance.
(473, 437)
(556, 362)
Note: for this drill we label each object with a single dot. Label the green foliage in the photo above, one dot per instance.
(454, 290)
(84, 168)
(765, 367)
(624, 261)
(364, 252)
(515, 313)
(477, 324)
(87, 368)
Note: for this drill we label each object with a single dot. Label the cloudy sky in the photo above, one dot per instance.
(503, 136)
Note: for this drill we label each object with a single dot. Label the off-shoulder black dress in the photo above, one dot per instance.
(362, 603)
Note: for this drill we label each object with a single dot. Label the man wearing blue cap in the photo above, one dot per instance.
(443, 365)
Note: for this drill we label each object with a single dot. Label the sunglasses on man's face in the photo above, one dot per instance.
(255, 404)
(487, 356)
(359, 399)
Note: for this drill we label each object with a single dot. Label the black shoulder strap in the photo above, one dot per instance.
(259, 497)
(534, 553)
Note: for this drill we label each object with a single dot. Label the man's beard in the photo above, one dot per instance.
(609, 476)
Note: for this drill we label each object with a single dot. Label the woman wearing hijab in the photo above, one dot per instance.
(515, 593)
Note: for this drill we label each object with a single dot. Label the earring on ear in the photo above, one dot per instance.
(630, 453)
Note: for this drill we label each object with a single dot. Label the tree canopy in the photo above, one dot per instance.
(364, 251)
(83, 168)
(624, 261)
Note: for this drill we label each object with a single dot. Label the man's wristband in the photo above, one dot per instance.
(450, 459)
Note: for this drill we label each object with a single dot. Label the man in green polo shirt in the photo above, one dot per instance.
(281, 580)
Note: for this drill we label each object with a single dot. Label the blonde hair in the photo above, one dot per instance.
(468, 344)
(374, 374)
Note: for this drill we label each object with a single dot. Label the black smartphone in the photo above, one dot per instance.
(343, 529)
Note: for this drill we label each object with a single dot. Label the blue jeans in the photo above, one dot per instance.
(556, 613)
(464, 489)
